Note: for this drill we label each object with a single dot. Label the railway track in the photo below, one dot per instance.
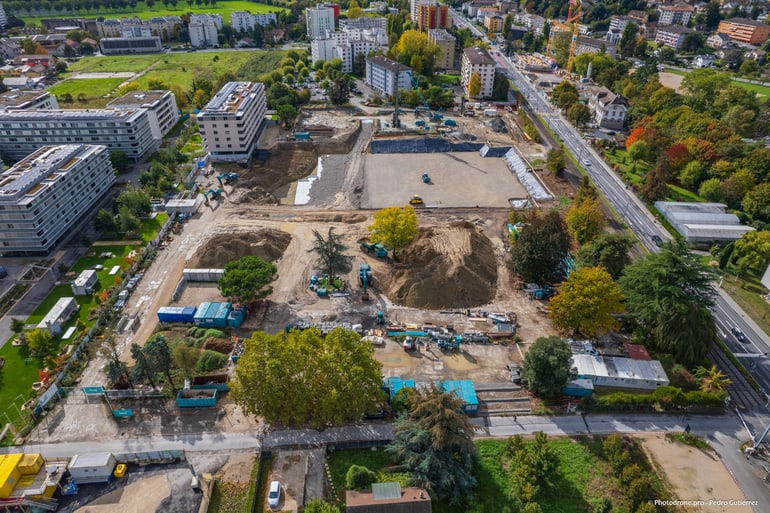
(741, 392)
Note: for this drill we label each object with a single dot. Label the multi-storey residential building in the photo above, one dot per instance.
(446, 43)
(609, 109)
(677, 14)
(432, 15)
(472, 8)
(639, 17)
(744, 30)
(386, 76)
(364, 23)
(244, 21)
(204, 29)
(126, 130)
(672, 35)
(232, 121)
(3, 19)
(619, 22)
(533, 22)
(319, 19)
(9, 49)
(129, 45)
(493, 23)
(46, 193)
(28, 100)
(347, 52)
(160, 106)
(477, 60)
(135, 31)
(161, 26)
(591, 45)
(346, 44)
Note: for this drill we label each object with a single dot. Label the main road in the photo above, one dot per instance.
(753, 350)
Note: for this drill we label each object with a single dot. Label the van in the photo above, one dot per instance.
(274, 494)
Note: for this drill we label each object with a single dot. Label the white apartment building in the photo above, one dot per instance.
(477, 60)
(161, 26)
(319, 19)
(45, 194)
(135, 31)
(232, 121)
(32, 99)
(160, 106)
(446, 42)
(126, 130)
(609, 109)
(346, 44)
(3, 18)
(244, 21)
(204, 29)
(678, 14)
(386, 76)
(364, 23)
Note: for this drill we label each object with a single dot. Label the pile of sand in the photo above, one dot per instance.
(453, 267)
(267, 244)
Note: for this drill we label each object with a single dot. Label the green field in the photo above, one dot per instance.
(762, 91)
(223, 8)
(98, 92)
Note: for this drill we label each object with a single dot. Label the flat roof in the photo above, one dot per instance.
(137, 99)
(383, 62)
(231, 98)
(409, 494)
(479, 56)
(79, 115)
(617, 367)
(94, 459)
(18, 99)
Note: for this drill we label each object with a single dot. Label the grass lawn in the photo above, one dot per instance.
(375, 460)
(222, 7)
(16, 378)
(151, 227)
(234, 497)
(625, 166)
(682, 194)
(762, 91)
(95, 90)
(446, 79)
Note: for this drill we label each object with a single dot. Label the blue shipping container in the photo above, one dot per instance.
(465, 390)
(212, 314)
(177, 313)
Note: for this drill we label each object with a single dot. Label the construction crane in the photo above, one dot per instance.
(572, 25)
(434, 116)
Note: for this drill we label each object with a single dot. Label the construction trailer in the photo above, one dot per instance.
(58, 316)
(464, 389)
(85, 283)
(618, 372)
(394, 384)
(94, 467)
(185, 314)
(212, 314)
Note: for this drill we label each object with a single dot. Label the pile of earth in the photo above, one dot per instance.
(265, 182)
(267, 244)
(451, 267)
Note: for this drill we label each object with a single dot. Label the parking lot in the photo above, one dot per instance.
(457, 180)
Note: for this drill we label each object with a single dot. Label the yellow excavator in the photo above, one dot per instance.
(416, 200)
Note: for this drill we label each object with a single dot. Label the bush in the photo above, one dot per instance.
(359, 478)
(213, 333)
(210, 361)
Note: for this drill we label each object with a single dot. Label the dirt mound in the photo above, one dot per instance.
(452, 267)
(267, 244)
(265, 181)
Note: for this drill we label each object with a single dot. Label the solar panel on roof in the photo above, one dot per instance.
(384, 491)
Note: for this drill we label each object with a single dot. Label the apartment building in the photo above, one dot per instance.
(477, 60)
(46, 193)
(28, 100)
(204, 29)
(136, 31)
(619, 23)
(446, 42)
(3, 18)
(346, 44)
(386, 76)
(744, 30)
(364, 23)
(591, 45)
(432, 15)
(494, 23)
(677, 14)
(533, 22)
(126, 130)
(319, 19)
(160, 106)
(129, 45)
(161, 26)
(231, 123)
(244, 21)
(672, 35)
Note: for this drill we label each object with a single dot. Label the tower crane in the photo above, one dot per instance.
(572, 25)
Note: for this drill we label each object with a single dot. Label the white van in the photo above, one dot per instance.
(274, 494)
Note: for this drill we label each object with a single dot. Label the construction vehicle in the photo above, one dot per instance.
(379, 250)
(420, 123)
(380, 318)
(537, 292)
(450, 122)
(416, 200)
(364, 279)
(425, 178)
(227, 178)
(434, 116)
(213, 194)
(449, 343)
(572, 25)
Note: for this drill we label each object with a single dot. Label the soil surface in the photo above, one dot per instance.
(671, 80)
(695, 475)
(267, 244)
(141, 496)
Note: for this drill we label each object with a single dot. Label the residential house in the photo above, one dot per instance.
(703, 61)
(610, 110)
(719, 41)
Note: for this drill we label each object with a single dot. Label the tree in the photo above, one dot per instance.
(585, 220)
(434, 443)
(565, 94)
(359, 478)
(331, 252)
(668, 296)
(586, 302)
(711, 189)
(711, 379)
(159, 357)
(319, 506)
(186, 358)
(339, 90)
(609, 251)
(752, 251)
(137, 201)
(116, 369)
(627, 44)
(756, 203)
(354, 10)
(142, 367)
(416, 43)
(126, 221)
(639, 151)
(547, 366)
(540, 249)
(655, 186)
(287, 113)
(500, 87)
(712, 15)
(39, 342)
(120, 161)
(395, 227)
(474, 85)
(17, 325)
(247, 279)
(555, 161)
(579, 114)
(307, 379)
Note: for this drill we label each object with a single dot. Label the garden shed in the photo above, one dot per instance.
(85, 282)
(58, 316)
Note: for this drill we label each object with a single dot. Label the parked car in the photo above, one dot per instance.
(735, 330)
(409, 344)
(274, 494)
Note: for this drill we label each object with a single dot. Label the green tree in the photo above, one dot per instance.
(434, 442)
(116, 369)
(247, 279)
(17, 325)
(287, 113)
(210, 361)
(752, 251)
(585, 220)
(474, 85)
(158, 354)
(354, 10)
(416, 43)
(120, 161)
(395, 227)
(39, 342)
(655, 186)
(137, 201)
(540, 249)
(579, 114)
(547, 366)
(756, 203)
(142, 367)
(627, 44)
(668, 296)
(500, 87)
(587, 301)
(609, 250)
(307, 379)
(331, 253)
(712, 15)
(339, 90)
(702, 86)
(711, 189)
(639, 151)
(565, 94)
(555, 161)
(711, 379)
(319, 506)
(359, 478)
(126, 221)
(186, 358)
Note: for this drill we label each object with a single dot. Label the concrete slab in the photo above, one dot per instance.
(457, 180)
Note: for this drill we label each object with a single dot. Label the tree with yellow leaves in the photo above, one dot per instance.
(585, 220)
(416, 43)
(354, 10)
(586, 302)
(395, 227)
(474, 85)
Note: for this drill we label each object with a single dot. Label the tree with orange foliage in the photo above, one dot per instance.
(637, 134)
(678, 156)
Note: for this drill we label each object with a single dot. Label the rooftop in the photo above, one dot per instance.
(388, 64)
(138, 99)
(476, 55)
(70, 114)
(231, 98)
(18, 99)
(441, 34)
(617, 367)
(745, 21)
(675, 29)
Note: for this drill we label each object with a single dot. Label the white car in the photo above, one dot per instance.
(586, 162)
(274, 494)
